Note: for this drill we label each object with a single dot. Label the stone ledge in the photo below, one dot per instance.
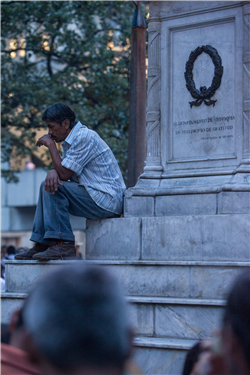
(188, 201)
(176, 301)
(143, 300)
(154, 316)
(166, 343)
(54, 262)
(9, 295)
(149, 279)
(134, 263)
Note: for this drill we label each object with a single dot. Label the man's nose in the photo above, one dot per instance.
(49, 131)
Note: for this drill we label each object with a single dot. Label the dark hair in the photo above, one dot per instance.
(237, 311)
(11, 250)
(191, 358)
(58, 112)
(77, 316)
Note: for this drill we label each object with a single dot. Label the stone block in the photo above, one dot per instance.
(8, 306)
(190, 204)
(154, 361)
(212, 282)
(142, 318)
(211, 237)
(20, 276)
(232, 202)
(191, 322)
(226, 237)
(113, 239)
(139, 206)
(171, 238)
(142, 280)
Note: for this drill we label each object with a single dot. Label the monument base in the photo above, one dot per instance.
(189, 195)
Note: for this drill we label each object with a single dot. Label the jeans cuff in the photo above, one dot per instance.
(65, 236)
(36, 237)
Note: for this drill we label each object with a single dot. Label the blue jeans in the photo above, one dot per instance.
(52, 213)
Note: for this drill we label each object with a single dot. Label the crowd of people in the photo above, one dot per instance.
(81, 325)
(68, 325)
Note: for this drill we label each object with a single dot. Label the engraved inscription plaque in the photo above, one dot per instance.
(203, 132)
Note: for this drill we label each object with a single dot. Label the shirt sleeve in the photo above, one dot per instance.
(79, 154)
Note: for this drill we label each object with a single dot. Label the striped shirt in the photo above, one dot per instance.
(95, 167)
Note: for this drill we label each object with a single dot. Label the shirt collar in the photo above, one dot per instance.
(72, 133)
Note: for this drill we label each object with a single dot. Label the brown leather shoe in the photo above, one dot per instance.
(59, 251)
(37, 248)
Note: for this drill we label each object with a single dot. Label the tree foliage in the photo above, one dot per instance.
(77, 52)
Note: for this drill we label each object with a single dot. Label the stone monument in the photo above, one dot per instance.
(186, 229)
(185, 233)
(198, 151)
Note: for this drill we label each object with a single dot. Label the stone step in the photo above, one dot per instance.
(176, 318)
(163, 343)
(204, 280)
(154, 316)
(161, 356)
(154, 355)
(9, 303)
(170, 238)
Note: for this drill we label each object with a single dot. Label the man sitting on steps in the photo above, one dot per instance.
(85, 182)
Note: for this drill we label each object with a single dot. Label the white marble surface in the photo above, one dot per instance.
(214, 135)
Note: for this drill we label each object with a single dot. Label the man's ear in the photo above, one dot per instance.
(66, 124)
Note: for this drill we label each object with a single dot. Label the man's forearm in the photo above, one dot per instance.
(63, 173)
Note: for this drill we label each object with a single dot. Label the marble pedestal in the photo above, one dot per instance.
(196, 152)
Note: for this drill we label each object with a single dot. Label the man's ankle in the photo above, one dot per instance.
(40, 246)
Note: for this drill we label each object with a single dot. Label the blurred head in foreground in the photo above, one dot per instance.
(236, 327)
(77, 319)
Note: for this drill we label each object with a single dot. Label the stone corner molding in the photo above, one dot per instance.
(204, 94)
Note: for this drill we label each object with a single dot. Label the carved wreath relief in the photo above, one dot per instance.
(204, 94)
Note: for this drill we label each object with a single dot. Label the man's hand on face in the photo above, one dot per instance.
(45, 140)
(52, 180)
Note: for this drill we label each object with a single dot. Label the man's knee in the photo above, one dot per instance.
(60, 187)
